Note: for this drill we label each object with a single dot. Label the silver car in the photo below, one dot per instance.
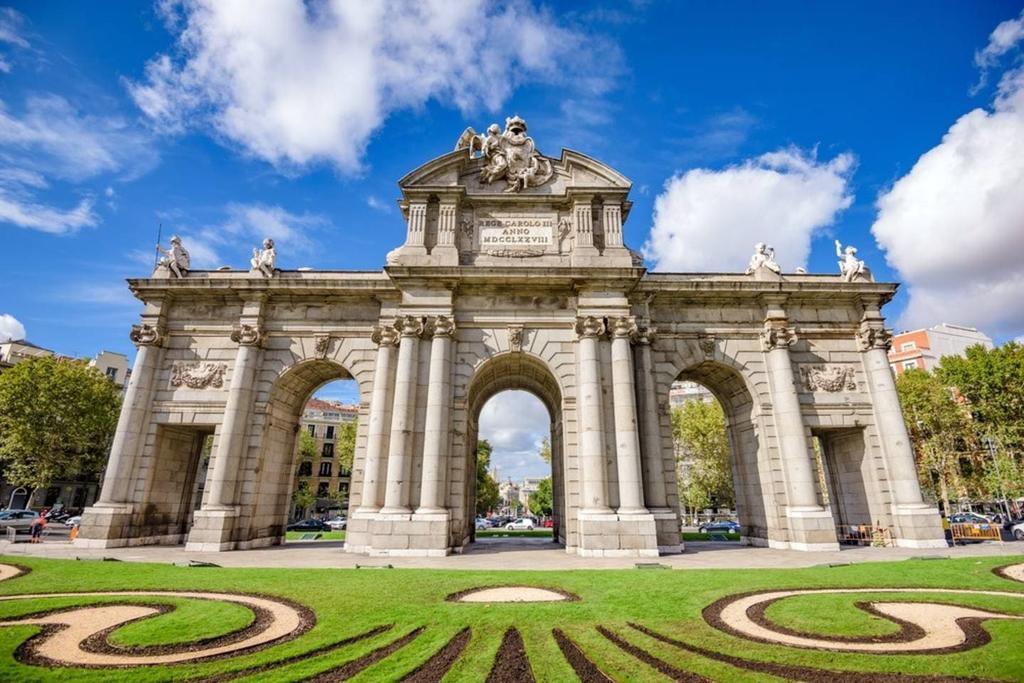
(19, 519)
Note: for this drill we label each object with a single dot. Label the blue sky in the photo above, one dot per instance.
(897, 127)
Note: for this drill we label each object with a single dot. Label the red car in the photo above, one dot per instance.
(549, 524)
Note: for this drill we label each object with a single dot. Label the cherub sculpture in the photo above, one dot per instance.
(510, 155)
(264, 260)
(764, 257)
(175, 259)
(851, 267)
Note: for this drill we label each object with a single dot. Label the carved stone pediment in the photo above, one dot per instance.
(202, 375)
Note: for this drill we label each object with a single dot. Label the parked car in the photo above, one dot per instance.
(309, 525)
(73, 521)
(337, 523)
(483, 523)
(21, 520)
(968, 518)
(549, 524)
(521, 524)
(1018, 531)
(725, 526)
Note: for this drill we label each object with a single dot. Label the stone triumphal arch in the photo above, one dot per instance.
(513, 274)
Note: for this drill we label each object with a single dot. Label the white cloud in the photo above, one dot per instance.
(244, 228)
(10, 328)
(515, 422)
(954, 225)
(26, 213)
(297, 83)
(377, 204)
(1004, 38)
(709, 220)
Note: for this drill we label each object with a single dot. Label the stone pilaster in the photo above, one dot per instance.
(811, 526)
(437, 431)
(386, 338)
(918, 524)
(627, 440)
(416, 234)
(446, 252)
(403, 417)
(612, 219)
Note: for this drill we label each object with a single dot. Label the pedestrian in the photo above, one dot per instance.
(37, 526)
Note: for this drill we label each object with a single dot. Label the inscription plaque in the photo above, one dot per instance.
(516, 234)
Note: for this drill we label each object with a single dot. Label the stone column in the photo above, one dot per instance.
(627, 440)
(653, 455)
(386, 339)
(403, 417)
(436, 437)
(801, 492)
(231, 442)
(591, 428)
(131, 423)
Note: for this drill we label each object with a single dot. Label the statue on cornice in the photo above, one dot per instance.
(851, 267)
(510, 155)
(175, 259)
(264, 260)
(764, 257)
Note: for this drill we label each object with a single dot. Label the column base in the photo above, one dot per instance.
(613, 535)
(811, 530)
(105, 525)
(666, 521)
(403, 534)
(213, 530)
(918, 526)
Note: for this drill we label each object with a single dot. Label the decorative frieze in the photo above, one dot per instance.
(831, 378)
(202, 375)
(145, 334)
(247, 335)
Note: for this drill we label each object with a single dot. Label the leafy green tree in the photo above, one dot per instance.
(541, 501)
(487, 495)
(702, 455)
(345, 444)
(545, 450)
(940, 429)
(57, 421)
(303, 497)
(307, 445)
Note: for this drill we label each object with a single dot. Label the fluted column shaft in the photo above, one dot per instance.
(653, 456)
(227, 459)
(801, 491)
(435, 446)
(627, 438)
(591, 439)
(403, 417)
(380, 418)
(132, 421)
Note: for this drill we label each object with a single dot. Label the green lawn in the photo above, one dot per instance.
(324, 535)
(348, 602)
(701, 536)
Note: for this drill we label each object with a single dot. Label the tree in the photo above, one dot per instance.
(545, 450)
(702, 455)
(303, 497)
(541, 501)
(487, 495)
(940, 431)
(345, 444)
(307, 445)
(57, 421)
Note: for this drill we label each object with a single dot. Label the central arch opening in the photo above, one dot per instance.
(515, 446)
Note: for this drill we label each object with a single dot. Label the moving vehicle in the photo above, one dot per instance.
(1018, 531)
(309, 525)
(337, 523)
(724, 526)
(521, 524)
(20, 520)
(968, 518)
(483, 523)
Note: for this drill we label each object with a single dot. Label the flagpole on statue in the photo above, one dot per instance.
(159, 231)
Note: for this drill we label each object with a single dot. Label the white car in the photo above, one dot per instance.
(1018, 531)
(73, 521)
(337, 524)
(521, 524)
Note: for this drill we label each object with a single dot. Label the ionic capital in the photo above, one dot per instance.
(589, 327)
(777, 335)
(409, 326)
(383, 335)
(145, 334)
(645, 335)
(873, 336)
(624, 327)
(443, 326)
(247, 335)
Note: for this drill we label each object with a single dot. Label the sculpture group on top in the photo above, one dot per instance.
(851, 268)
(510, 155)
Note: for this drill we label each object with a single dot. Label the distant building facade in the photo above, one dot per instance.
(112, 364)
(682, 392)
(922, 349)
(323, 420)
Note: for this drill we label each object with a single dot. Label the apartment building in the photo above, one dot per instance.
(922, 349)
(323, 421)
